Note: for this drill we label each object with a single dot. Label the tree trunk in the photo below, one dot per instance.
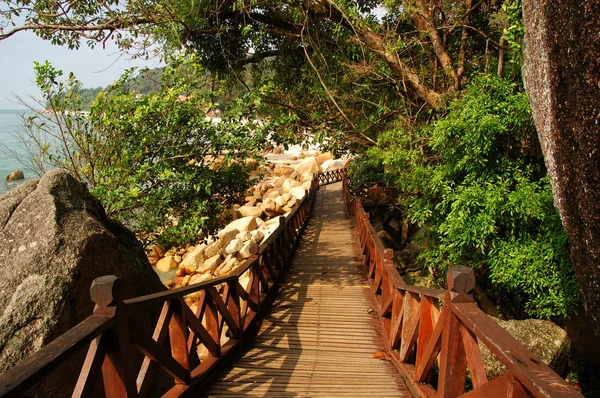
(562, 78)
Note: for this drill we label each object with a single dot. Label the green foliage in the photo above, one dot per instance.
(155, 161)
(513, 33)
(480, 186)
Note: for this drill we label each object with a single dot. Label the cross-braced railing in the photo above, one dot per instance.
(432, 335)
(429, 334)
(188, 345)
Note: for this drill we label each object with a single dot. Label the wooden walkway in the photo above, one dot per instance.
(322, 337)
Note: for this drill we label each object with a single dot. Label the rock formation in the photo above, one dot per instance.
(561, 72)
(547, 341)
(55, 239)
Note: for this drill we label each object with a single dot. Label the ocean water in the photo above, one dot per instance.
(10, 125)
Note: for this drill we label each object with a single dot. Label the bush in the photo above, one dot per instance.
(155, 161)
(478, 180)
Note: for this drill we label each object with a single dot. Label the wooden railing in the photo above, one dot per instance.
(433, 334)
(225, 314)
(372, 194)
(429, 334)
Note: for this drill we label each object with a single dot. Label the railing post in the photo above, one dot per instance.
(117, 370)
(453, 359)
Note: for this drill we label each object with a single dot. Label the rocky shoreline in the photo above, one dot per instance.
(287, 178)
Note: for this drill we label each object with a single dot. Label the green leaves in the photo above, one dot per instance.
(477, 180)
(156, 162)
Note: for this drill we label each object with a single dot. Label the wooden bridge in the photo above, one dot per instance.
(325, 313)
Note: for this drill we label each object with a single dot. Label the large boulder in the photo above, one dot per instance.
(561, 73)
(244, 224)
(55, 239)
(310, 165)
(547, 341)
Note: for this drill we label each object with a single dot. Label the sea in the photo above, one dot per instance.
(11, 124)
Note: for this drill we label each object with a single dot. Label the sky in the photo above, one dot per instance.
(93, 67)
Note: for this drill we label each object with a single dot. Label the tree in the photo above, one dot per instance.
(562, 75)
(347, 68)
(155, 161)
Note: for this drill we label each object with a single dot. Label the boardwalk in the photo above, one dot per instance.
(322, 334)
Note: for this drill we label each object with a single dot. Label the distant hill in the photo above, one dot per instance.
(147, 82)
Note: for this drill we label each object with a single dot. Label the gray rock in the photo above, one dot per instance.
(547, 341)
(561, 72)
(15, 176)
(55, 239)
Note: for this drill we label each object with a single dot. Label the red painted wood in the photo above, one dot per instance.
(476, 367)
(92, 368)
(178, 335)
(453, 362)
(495, 388)
(410, 327)
(425, 360)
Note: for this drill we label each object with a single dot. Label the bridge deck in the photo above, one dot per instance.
(321, 337)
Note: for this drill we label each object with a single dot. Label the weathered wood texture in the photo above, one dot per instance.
(425, 329)
(340, 310)
(322, 336)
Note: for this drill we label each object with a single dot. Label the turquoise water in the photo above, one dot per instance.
(10, 125)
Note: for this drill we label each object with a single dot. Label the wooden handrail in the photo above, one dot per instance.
(423, 326)
(113, 332)
(16, 380)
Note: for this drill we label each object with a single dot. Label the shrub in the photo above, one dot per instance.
(477, 179)
(155, 161)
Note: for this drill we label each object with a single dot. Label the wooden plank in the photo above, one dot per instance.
(532, 373)
(474, 360)
(322, 336)
(495, 388)
(91, 369)
(432, 348)
(410, 326)
(453, 361)
(26, 373)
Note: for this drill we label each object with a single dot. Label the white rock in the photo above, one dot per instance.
(250, 248)
(273, 221)
(278, 183)
(228, 265)
(253, 211)
(289, 184)
(332, 164)
(166, 264)
(281, 201)
(292, 202)
(283, 170)
(306, 177)
(244, 224)
(298, 192)
(234, 246)
(199, 278)
(211, 264)
(196, 257)
(310, 165)
(213, 248)
(227, 235)
(244, 236)
(324, 157)
(271, 208)
(272, 193)
(260, 223)
(257, 236)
